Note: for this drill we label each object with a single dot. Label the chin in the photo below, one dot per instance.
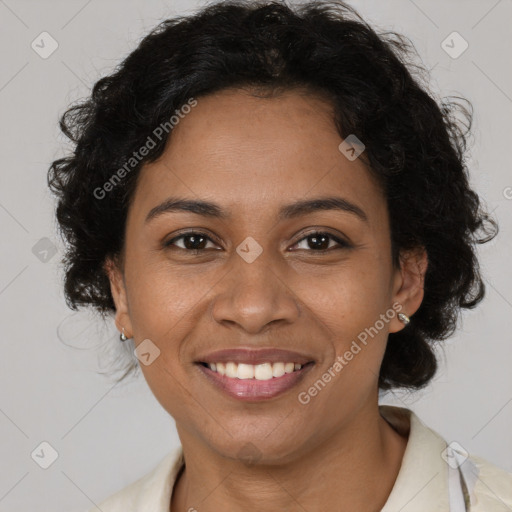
(261, 450)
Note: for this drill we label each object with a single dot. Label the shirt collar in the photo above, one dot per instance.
(422, 481)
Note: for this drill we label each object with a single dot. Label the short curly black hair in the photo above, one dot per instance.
(415, 146)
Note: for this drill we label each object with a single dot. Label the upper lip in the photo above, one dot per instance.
(254, 356)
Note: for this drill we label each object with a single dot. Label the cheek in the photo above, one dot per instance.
(163, 309)
(351, 298)
(354, 308)
(162, 302)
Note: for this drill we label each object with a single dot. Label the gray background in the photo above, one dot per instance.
(107, 436)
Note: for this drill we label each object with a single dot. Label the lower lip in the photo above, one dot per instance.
(253, 389)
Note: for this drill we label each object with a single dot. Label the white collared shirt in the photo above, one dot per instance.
(422, 484)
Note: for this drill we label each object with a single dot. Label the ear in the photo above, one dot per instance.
(408, 284)
(118, 290)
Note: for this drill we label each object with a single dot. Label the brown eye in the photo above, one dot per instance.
(192, 241)
(320, 241)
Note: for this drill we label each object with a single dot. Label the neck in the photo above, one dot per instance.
(355, 469)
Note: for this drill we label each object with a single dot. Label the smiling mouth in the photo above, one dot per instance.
(263, 371)
(254, 383)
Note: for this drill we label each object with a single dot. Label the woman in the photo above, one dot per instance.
(279, 216)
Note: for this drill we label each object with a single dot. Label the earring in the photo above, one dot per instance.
(122, 336)
(403, 318)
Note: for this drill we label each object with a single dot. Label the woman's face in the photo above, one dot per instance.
(260, 278)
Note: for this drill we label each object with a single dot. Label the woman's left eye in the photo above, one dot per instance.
(320, 241)
(317, 241)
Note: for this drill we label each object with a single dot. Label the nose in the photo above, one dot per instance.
(253, 295)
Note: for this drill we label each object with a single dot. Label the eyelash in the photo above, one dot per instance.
(342, 244)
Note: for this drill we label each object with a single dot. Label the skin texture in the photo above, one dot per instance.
(251, 156)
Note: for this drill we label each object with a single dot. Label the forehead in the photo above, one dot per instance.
(248, 152)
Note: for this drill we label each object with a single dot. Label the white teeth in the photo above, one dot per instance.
(289, 367)
(264, 371)
(245, 371)
(278, 369)
(231, 369)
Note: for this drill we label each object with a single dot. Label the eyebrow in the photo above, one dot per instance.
(289, 211)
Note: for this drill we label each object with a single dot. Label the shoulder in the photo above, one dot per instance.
(150, 492)
(492, 487)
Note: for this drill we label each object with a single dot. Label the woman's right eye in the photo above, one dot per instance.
(193, 241)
